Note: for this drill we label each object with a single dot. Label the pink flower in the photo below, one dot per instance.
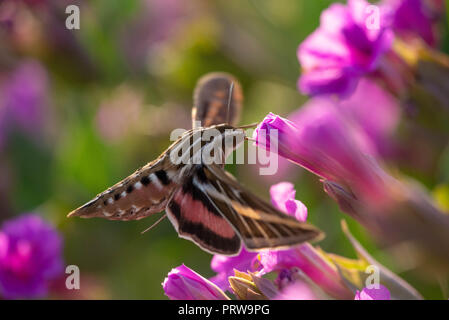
(381, 293)
(225, 265)
(283, 198)
(183, 283)
(30, 256)
(157, 22)
(25, 96)
(341, 50)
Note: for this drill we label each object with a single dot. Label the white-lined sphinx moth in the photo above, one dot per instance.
(204, 203)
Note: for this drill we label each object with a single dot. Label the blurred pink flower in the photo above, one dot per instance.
(372, 111)
(30, 256)
(375, 112)
(296, 291)
(381, 293)
(118, 115)
(183, 283)
(411, 18)
(24, 97)
(157, 22)
(341, 50)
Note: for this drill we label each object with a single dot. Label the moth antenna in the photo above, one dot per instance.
(252, 125)
(231, 88)
(154, 224)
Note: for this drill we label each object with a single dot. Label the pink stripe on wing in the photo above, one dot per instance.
(194, 211)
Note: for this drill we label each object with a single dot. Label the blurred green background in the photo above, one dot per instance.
(115, 90)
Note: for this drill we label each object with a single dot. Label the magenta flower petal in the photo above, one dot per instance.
(382, 293)
(30, 256)
(225, 265)
(183, 283)
(283, 198)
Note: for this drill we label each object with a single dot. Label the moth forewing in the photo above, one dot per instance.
(141, 194)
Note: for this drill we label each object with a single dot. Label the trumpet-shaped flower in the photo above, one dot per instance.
(323, 142)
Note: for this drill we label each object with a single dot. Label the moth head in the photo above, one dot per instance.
(231, 138)
(219, 142)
